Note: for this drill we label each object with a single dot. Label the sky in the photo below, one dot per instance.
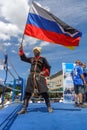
(13, 16)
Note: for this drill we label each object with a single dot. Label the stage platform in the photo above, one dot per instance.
(64, 117)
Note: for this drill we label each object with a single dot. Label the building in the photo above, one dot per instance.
(55, 82)
(55, 85)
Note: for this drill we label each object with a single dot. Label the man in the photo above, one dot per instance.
(79, 82)
(36, 79)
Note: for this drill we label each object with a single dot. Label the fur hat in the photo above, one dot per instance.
(37, 48)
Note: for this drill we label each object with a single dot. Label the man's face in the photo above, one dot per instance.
(36, 52)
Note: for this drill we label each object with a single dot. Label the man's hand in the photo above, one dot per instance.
(84, 83)
(42, 73)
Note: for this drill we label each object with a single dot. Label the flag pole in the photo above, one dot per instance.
(22, 40)
(23, 33)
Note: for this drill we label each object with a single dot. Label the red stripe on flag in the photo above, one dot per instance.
(50, 36)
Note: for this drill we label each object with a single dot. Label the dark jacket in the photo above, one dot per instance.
(36, 80)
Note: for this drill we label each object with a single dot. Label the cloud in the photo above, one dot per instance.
(1, 81)
(15, 11)
(13, 51)
(4, 36)
(28, 41)
(1, 67)
(7, 44)
(44, 43)
(7, 30)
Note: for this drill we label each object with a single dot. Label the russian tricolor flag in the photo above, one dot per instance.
(45, 26)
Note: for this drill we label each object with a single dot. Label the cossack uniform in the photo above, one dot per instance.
(40, 68)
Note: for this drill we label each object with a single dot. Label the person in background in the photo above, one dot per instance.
(79, 82)
(85, 87)
(40, 68)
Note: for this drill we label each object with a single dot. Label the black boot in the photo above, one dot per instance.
(25, 105)
(27, 97)
(47, 101)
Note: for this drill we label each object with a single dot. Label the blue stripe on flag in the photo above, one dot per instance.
(43, 23)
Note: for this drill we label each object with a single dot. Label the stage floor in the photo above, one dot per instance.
(64, 117)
